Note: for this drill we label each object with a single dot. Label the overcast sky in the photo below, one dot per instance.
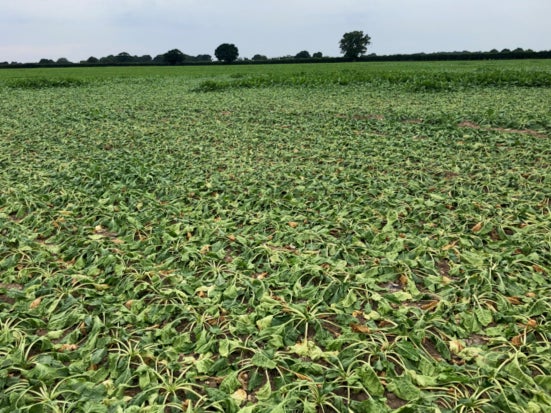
(77, 29)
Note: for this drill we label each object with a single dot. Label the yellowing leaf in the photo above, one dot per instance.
(456, 346)
(309, 349)
(292, 224)
(239, 396)
(68, 347)
(205, 249)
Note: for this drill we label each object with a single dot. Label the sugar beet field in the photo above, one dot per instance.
(360, 237)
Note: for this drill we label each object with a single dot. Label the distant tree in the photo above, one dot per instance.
(159, 59)
(518, 50)
(204, 58)
(317, 55)
(144, 59)
(174, 57)
(92, 60)
(354, 44)
(107, 59)
(124, 57)
(305, 54)
(46, 62)
(494, 51)
(226, 52)
(259, 58)
(506, 51)
(63, 61)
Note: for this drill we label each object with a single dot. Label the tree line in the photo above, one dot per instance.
(353, 47)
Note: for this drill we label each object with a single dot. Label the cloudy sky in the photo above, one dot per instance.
(77, 29)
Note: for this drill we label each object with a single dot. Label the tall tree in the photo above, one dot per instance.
(227, 52)
(354, 44)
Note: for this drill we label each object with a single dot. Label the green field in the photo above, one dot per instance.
(359, 237)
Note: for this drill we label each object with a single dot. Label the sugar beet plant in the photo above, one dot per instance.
(301, 244)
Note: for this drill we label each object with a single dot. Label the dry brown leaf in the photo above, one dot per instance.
(205, 249)
(477, 227)
(243, 378)
(531, 323)
(302, 376)
(35, 303)
(449, 246)
(514, 300)
(359, 328)
(517, 340)
(117, 241)
(231, 237)
(431, 305)
(403, 280)
(539, 269)
(292, 224)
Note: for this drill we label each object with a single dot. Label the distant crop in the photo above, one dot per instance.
(412, 80)
(42, 83)
(297, 238)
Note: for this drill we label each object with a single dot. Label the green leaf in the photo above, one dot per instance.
(230, 383)
(265, 322)
(514, 370)
(401, 296)
(484, 316)
(404, 388)
(309, 407)
(371, 381)
(544, 382)
(408, 350)
(260, 359)
(422, 380)
(349, 300)
(264, 392)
